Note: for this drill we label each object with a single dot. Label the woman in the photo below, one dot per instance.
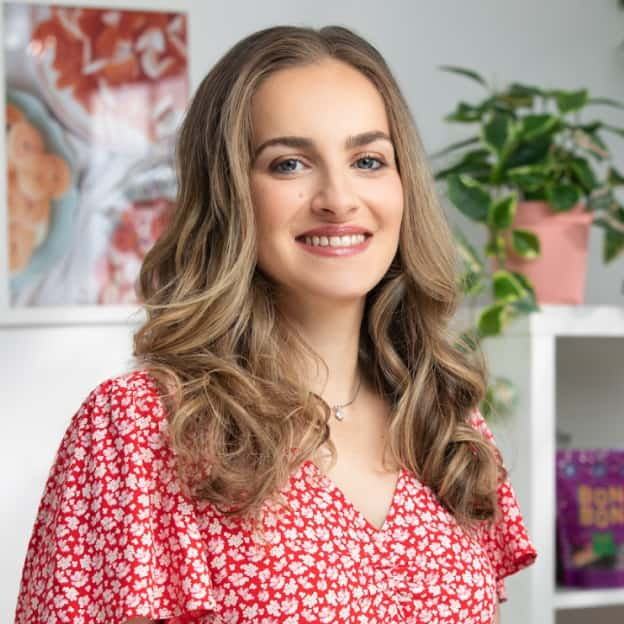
(301, 440)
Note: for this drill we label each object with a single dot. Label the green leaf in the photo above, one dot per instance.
(518, 95)
(530, 153)
(485, 408)
(471, 284)
(528, 177)
(468, 253)
(528, 303)
(583, 173)
(519, 90)
(497, 132)
(536, 195)
(601, 199)
(491, 320)
(533, 126)
(471, 281)
(526, 283)
(591, 143)
(588, 127)
(496, 103)
(467, 341)
(613, 246)
(614, 177)
(501, 398)
(603, 101)
(506, 287)
(473, 163)
(468, 73)
(563, 197)
(495, 245)
(503, 211)
(465, 113)
(524, 306)
(455, 146)
(469, 197)
(614, 129)
(525, 243)
(515, 101)
(518, 293)
(568, 101)
(613, 242)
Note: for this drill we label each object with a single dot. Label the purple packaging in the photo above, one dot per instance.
(590, 517)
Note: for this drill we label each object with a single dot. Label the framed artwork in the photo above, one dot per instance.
(93, 99)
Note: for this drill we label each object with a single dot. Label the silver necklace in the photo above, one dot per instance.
(339, 409)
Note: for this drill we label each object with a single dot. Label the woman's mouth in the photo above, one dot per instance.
(335, 245)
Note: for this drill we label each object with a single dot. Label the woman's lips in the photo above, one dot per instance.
(330, 251)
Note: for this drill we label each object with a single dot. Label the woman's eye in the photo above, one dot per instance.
(289, 165)
(286, 166)
(370, 160)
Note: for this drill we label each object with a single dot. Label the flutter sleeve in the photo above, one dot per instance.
(114, 537)
(506, 541)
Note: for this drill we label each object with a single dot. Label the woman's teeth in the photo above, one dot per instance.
(335, 241)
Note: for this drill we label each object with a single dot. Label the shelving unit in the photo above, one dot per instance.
(587, 598)
(528, 355)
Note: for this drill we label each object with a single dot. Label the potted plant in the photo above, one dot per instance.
(535, 175)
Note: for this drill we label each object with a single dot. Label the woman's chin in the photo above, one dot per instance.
(324, 296)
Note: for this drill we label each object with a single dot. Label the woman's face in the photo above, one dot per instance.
(323, 158)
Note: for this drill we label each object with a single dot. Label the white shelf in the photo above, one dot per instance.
(588, 598)
(596, 321)
(562, 320)
(71, 315)
(527, 353)
(552, 320)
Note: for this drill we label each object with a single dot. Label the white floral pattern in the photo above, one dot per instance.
(115, 538)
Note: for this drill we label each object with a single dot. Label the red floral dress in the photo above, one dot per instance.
(115, 538)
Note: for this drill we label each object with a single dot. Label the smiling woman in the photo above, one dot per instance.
(301, 439)
(318, 180)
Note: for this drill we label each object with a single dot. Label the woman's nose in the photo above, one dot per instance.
(334, 195)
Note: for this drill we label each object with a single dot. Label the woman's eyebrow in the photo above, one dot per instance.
(296, 142)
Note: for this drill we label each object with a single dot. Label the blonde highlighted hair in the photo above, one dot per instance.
(226, 359)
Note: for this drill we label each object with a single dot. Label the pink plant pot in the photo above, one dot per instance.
(558, 275)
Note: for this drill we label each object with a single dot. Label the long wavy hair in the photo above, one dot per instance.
(227, 362)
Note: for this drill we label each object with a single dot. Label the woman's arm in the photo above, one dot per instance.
(496, 615)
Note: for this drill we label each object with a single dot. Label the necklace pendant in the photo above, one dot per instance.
(339, 413)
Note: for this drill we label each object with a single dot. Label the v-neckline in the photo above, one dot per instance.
(334, 487)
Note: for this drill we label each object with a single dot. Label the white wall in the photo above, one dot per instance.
(46, 371)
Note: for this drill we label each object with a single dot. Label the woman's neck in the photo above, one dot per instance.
(332, 330)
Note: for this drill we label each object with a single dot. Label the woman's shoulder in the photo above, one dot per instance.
(121, 407)
(127, 395)
(477, 420)
(136, 383)
(113, 520)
